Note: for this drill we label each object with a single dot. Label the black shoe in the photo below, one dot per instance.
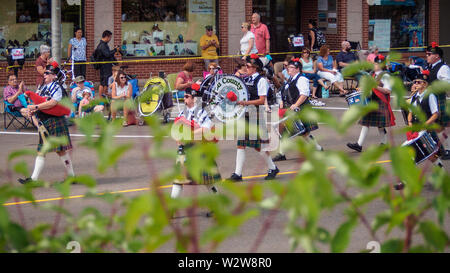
(354, 146)
(209, 214)
(400, 186)
(272, 174)
(25, 181)
(446, 155)
(235, 178)
(279, 157)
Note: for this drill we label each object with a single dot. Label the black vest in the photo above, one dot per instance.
(291, 94)
(434, 71)
(424, 105)
(252, 87)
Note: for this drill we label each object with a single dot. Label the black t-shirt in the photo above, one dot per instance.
(105, 54)
(345, 57)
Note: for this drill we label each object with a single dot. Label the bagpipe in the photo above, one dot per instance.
(57, 110)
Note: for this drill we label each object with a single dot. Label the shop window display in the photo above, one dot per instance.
(157, 28)
(398, 24)
(26, 24)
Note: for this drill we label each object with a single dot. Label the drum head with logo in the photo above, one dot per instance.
(219, 103)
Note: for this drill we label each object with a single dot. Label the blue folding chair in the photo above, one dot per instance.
(15, 118)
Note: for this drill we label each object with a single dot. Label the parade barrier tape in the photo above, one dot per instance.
(201, 58)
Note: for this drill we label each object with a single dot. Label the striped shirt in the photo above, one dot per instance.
(200, 117)
(51, 91)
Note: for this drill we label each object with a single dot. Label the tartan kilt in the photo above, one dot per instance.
(252, 143)
(208, 178)
(379, 118)
(444, 118)
(309, 125)
(56, 127)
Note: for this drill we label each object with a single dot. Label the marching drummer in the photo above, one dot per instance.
(382, 117)
(54, 125)
(198, 120)
(295, 95)
(258, 87)
(428, 102)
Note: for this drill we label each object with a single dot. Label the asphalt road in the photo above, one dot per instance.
(131, 177)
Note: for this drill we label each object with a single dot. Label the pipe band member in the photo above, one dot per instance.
(439, 70)
(382, 117)
(198, 120)
(428, 102)
(257, 87)
(295, 94)
(55, 126)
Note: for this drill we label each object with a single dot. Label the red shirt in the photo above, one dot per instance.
(261, 35)
(184, 77)
(39, 77)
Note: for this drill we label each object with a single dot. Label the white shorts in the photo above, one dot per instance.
(330, 77)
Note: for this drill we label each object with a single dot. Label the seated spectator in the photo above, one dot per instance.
(112, 79)
(184, 78)
(373, 53)
(121, 91)
(77, 92)
(13, 94)
(328, 70)
(241, 69)
(283, 75)
(212, 69)
(310, 71)
(346, 56)
(87, 98)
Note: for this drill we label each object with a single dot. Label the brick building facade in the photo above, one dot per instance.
(352, 24)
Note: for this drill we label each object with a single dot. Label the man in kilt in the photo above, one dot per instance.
(440, 71)
(55, 126)
(197, 120)
(257, 87)
(382, 117)
(295, 94)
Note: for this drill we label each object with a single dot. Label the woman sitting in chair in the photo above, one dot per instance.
(121, 91)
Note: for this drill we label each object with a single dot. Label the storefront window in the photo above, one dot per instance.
(399, 25)
(152, 28)
(27, 24)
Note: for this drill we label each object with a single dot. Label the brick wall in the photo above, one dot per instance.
(143, 69)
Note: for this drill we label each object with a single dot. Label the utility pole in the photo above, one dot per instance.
(56, 30)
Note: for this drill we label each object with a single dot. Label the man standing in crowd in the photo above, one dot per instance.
(104, 54)
(209, 44)
(440, 71)
(262, 36)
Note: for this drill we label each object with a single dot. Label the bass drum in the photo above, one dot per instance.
(151, 97)
(216, 98)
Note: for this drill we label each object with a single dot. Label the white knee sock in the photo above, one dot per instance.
(240, 159)
(363, 135)
(313, 140)
(176, 190)
(268, 159)
(38, 167)
(68, 164)
(383, 135)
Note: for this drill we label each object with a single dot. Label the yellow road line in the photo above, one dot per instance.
(147, 189)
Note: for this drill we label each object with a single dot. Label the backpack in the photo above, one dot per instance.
(95, 58)
(320, 38)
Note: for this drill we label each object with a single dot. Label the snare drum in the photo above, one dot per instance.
(294, 127)
(424, 146)
(356, 98)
